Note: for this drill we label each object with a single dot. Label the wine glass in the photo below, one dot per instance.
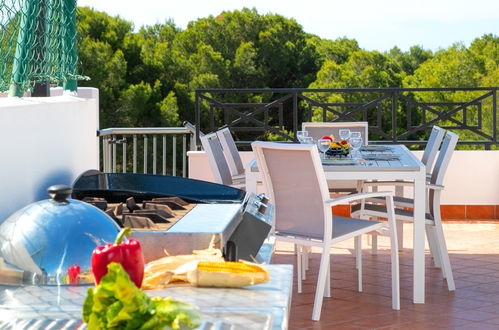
(355, 135)
(344, 134)
(300, 135)
(307, 140)
(356, 143)
(323, 145)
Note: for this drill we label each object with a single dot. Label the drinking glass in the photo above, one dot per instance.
(356, 143)
(300, 135)
(355, 135)
(307, 140)
(323, 145)
(344, 134)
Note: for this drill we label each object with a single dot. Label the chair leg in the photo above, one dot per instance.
(356, 249)
(394, 255)
(321, 282)
(395, 274)
(400, 234)
(327, 289)
(308, 251)
(374, 247)
(434, 246)
(299, 266)
(444, 256)
(358, 258)
(304, 258)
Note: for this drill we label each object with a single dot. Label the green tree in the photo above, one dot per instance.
(411, 60)
(458, 66)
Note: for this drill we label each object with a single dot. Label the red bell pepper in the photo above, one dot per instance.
(128, 254)
(73, 273)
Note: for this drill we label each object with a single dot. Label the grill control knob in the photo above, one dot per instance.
(264, 199)
(262, 208)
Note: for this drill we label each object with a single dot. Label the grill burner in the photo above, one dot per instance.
(155, 214)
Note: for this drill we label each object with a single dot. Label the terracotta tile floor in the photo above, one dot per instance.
(474, 250)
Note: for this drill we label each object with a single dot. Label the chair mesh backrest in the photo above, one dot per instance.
(230, 151)
(216, 158)
(431, 150)
(442, 163)
(318, 130)
(293, 184)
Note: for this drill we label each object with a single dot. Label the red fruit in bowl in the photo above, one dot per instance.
(327, 138)
(344, 142)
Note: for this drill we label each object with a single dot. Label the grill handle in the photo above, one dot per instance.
(60, 192)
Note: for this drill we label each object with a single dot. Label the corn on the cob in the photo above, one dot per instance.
(227, 274)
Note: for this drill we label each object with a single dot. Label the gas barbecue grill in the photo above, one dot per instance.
(178, 215)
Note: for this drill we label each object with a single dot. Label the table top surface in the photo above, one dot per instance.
(392, 158)
(263, 306)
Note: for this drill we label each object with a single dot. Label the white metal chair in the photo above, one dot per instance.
(318, 130)
(217, 161)
(295, 181)
(231, 153)
(428, 159)
(433, 218)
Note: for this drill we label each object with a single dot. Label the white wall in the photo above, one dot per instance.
(45, 141)
(472, 177)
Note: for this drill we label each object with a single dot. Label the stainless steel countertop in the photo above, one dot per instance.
(257, 307)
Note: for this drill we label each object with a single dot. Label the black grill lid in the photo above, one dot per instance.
(116, 187)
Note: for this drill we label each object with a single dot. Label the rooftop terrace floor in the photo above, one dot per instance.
(474, 253)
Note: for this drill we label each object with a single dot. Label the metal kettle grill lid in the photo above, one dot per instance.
(50, 242)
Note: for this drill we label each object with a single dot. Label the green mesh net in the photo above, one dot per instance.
(37, 44)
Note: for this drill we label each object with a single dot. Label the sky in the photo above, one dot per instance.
(375, 24)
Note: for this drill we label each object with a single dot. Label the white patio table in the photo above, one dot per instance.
(407, 168)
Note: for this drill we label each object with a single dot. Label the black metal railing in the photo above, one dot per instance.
(395, 115)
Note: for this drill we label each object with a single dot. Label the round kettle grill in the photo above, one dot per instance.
(50, 242)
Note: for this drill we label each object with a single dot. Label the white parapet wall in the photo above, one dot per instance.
(45, 141)
(472, 177)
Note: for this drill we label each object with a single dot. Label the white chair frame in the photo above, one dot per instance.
(217, 161)
(318, 130)
(230, 151)
(433, 221)
(323, 230)
(428, 159)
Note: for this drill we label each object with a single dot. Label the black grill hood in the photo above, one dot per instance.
(116, 187)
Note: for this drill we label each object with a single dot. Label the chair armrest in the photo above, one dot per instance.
(239, 177)
(434, 186)
(359, 196)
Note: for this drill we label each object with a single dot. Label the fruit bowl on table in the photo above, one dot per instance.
(337, 152)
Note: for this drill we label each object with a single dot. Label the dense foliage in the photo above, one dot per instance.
(148, 78)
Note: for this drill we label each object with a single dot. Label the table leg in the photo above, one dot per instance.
(419, 238)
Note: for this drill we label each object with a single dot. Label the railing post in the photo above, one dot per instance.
(124, 156)
(109, 155)
(394, 116)
(295, 112)
(193, 146)
(154, 156)
(145, 153)
(135, 154)
(174, 170)
(198, 118)
(494, 116)
(104, 155)
(164, 154)
(184, 155)
(113, 148)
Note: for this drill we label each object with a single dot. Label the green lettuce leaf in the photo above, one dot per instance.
(116, 303)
